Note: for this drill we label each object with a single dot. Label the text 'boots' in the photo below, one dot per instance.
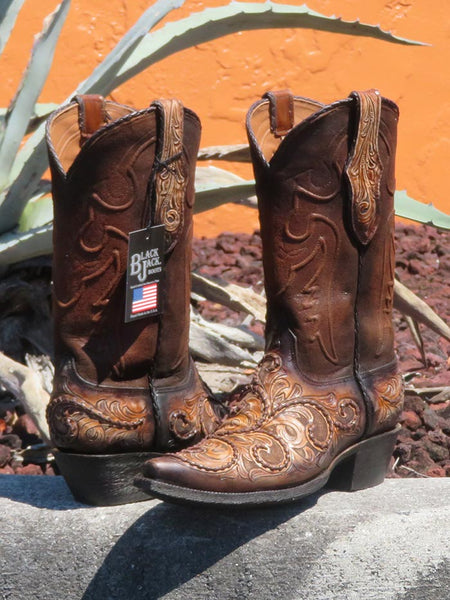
(125, 387)
(324, 402)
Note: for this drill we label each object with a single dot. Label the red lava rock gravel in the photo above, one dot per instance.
(422, 264)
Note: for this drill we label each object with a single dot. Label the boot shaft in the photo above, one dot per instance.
(325, 197)
(115, 170)
(123, 386)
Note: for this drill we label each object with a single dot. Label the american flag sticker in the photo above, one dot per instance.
(144, 294)
(145, 298)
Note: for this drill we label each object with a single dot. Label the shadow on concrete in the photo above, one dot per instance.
(171, 545)
(39, 491)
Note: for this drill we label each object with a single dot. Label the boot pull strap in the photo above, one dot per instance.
(281, 110)
(91, 114)
(170, 174)
(364, 167)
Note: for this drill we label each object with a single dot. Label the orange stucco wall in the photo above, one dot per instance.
(220, 79)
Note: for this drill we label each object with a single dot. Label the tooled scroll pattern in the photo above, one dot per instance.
(75, 422)
(314, 249)
(170, 180)
(195, 419)
(365, 167)
(276, 428)
(388, 399)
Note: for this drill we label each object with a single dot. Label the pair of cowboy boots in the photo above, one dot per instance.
(128, 403)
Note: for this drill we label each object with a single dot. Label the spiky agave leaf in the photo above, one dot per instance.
(418, 211)
(38, 211)
(214, 186)
(232, 153)
(15, 247)
(212, 23)
(154, 46)
(22, 106)
(31, 161)
(9, 9)
(40, 113)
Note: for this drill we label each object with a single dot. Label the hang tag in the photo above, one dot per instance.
(145, 271)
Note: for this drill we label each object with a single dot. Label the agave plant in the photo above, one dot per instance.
(25, 209)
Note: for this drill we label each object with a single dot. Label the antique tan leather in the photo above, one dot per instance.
(122, 387)
(281, 112)
(326, 397)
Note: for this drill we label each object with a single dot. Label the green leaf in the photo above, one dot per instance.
(37, 212)
(233, 153)
(41, 110)
(40, 114)
(26, 174)
(31, 161)
(200, 27)
(214, 187)
(15, 247)
(409, 208)
(9, 9)
(212, 23)
(22, 106)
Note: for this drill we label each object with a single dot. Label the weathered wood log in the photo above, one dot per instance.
(409, 304)
(223, 378)
(230, 295)
(209, 344)
(24, 384)
(44, 369)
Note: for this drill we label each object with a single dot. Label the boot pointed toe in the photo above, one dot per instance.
(164, 468)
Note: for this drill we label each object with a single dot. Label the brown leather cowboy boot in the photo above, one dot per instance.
(324, 401)
(125, 387)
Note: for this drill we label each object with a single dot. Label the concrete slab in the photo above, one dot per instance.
(391, 542)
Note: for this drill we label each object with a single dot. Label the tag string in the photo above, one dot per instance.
(159, 165)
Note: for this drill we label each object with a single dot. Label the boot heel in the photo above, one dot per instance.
(365, 465)
(103, 479)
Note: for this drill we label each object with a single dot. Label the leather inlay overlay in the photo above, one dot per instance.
(277, 427)
(388, 399)
(170, 180)
(194, 418)
(364, 167)
(95, 419)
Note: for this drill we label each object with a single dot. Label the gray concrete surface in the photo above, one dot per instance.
(391, 542)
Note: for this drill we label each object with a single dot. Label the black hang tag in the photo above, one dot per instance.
(145, 269)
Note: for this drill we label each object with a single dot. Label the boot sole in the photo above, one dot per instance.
(361, 466)
(103, 479)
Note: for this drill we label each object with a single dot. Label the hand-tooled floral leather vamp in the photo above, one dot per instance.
(279, 433)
